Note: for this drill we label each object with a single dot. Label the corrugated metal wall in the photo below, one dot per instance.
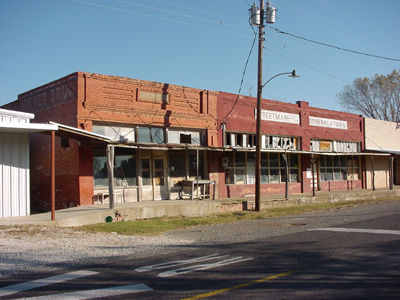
(14, 175)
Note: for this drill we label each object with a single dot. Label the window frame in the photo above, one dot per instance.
(270, 173)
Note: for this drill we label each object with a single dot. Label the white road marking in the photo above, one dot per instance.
(24, 286)
(179, 263)
(90, 294)
(194, 268)
(375, 231)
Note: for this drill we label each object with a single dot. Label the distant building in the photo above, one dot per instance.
(382, 137)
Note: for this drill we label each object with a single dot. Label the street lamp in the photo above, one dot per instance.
(257, 17)
(291, 74)
(258, 138)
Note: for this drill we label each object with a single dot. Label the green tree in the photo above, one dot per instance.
(377, 97)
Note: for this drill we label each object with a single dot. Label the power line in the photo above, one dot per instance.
(178, 13)
(159, 18)
(201, 11)
(309, 66)
(244, 72)
(333, 46)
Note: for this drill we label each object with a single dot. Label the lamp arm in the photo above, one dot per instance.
(291, 74)
(275, 77)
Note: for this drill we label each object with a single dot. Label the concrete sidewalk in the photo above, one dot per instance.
(92, 214)
(84, 215)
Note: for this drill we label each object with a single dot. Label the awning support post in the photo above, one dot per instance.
(391, 175)
(53, 176)
(110, 171)
(312, 174)
(373, 173)
(197, 172)
(285, 157)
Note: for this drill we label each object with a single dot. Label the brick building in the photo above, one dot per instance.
(159, 131)
(163, 134)
(332, 140)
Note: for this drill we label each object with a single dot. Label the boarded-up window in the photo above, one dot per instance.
(180, 136)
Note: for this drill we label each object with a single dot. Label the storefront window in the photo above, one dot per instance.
(100, 176)
(293, 174)
(124, 167)
(274, 175)
(339, 168)
(193, 163)
(264, 175)
(272, 168)
(240, 159)
(157, 135)
(177, 163)
(251, 165)
(150, 135)
(125, 170)
(230, 176)
(144, 135)
(146, 178)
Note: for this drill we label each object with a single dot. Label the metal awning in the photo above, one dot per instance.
(230, 149)
(348, 153)
(162, 147)
(383, 151)
(241, 149)
(81, 135)
(12, 127)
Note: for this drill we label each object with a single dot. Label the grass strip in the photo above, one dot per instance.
(157, 226)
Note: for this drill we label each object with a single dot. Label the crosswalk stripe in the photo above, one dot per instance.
(24, 286)
(179, 263)
(356, 230)
(90, 294)
(207, 266)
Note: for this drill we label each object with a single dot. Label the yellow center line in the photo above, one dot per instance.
(213, 293)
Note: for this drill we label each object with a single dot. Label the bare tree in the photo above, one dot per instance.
(377, 97)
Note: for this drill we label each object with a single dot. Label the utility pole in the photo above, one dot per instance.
(257, 16)
(259, 98)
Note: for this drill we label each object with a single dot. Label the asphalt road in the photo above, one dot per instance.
(351, 253)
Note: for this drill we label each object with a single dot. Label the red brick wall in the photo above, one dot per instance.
(81, 98)
(239, 116)
(117, 99)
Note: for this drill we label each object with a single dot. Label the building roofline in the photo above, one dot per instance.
(46, 85)
(15, 113)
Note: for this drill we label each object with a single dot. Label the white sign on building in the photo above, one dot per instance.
(278, 116)
(329, 123)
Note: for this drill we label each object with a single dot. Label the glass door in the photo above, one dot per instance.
(160, 178)
(146, 178)
(154, 182)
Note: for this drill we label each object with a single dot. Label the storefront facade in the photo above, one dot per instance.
(382, 142)
(308, 148)
(162, 135)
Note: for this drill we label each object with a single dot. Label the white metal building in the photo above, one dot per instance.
(382, 137)
(15, 128)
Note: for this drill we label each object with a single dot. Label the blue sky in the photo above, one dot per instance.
(202, 44)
